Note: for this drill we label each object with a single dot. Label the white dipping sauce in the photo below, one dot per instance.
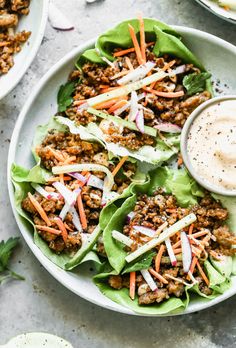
(211, 145)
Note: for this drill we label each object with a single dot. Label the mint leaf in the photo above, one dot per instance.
(195, 83)
(6, 249)
(64, 96)
(143, 262)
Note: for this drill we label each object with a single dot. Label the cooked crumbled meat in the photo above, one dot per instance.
(153, 296)
(11, 41)
(115, 281)
(175, 288)
(224, 237)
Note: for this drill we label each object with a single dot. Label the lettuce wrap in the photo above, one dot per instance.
(22, 179)
(187, 193)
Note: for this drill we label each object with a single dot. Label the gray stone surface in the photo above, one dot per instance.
(40, 303)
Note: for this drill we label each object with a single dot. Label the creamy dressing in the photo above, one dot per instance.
(211, 145)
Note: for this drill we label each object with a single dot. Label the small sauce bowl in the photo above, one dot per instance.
(184, 146)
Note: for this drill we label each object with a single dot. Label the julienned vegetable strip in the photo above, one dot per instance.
(62, 228)
(119, 165)
(136, 44)
(118, 120)
(158, 276)
(142, 38)
(39, 209)
(70, 168)
(120, 237)
(204, 277)
(48, 229)
(81, 212)
(168, 232)
(132, 285)
(158, 258)
(130, 50)
(124, 90)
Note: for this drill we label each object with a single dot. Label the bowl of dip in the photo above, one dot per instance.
(208, 145)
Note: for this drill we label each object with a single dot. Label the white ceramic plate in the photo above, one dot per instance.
(213, 7)
(42, 104)
(35, 22)
(37, 340)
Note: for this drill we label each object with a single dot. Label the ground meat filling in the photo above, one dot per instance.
(74, 150)
(11, 41)
(56, 149)
(94, 79)
(152, 212)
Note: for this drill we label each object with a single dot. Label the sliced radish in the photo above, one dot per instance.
(76, 219)
(58, 20)
(122, 109)
(65, 192)
(179, 70)
(170, 251)
(78, 176)
(109, 196)
(168, 128)
(186, 252)
(149, 280)
(130, 216)
(137, 74)
(44, 193)
(94, 181)
(145, 230)
(140, 121)
(64, 211)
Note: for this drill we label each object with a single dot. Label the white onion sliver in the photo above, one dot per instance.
(171, 252)
(94, 181)
(120, 237)
(109, 196)
(111, 64)
(168, 128)
(58, 20)
(76, 219)
(137, 74)
(140, 121)
(149, 280)
(145, 230)
(65, 192)
(179, 70)
(130, 216)
(186, 252)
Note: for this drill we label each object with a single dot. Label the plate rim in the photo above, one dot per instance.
(34, 50)
(210, 9)
(47, 264)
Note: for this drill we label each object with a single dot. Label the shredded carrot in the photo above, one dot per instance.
(117, 105)
(48, 229)
(191, 227)
(5, 43)
(177, 251)
(199, 234)
(81, 212)
(196, 251)
(129, 64)
(177, 244)
(193, 264)
(39, 209)
(69, 160)
(172, 210)
(56, 154)
(57, 178)
(203, 275)
(106, 104)
(158, 258)
(119, 165)
(161, 228)
(130, 50)
(142, 38)
(49, 189)
(78, 102)
(132, 283)
(158, 276)
(105, 90)
(103, 86)
(61, 178)
(120, 74)
(62, 228)
(136, 44)
(68, 227)
(164, 94)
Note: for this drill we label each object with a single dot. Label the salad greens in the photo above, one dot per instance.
(64, 97)
(195, 83)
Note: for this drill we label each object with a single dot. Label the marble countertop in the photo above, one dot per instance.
(40, 303)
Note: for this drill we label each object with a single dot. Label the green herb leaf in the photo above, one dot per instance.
(64, 97)
(195, 83)
(6, 249)
(143, 262)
